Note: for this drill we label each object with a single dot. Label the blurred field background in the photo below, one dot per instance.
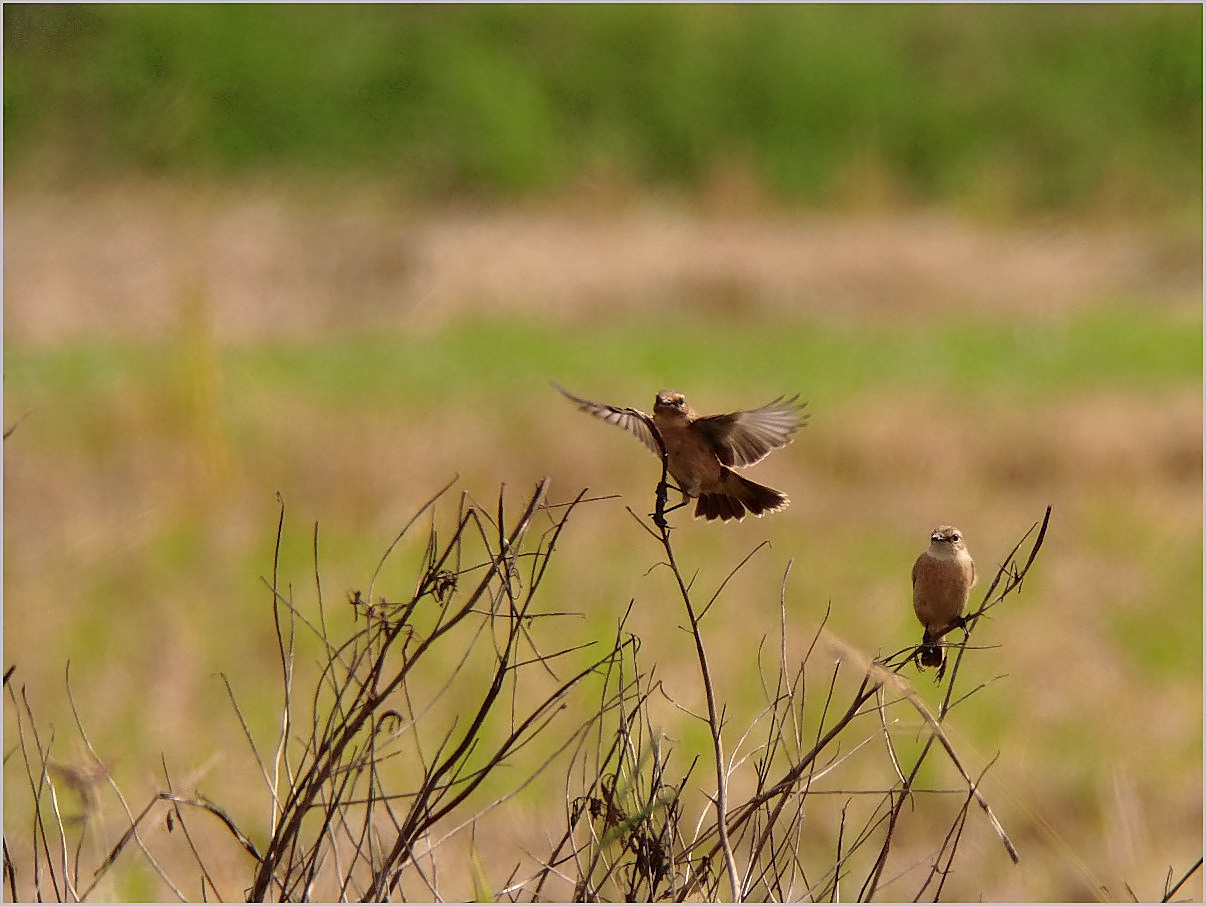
(339, 252)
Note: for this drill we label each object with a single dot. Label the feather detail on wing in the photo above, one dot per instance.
(743, 438)
(631, 420)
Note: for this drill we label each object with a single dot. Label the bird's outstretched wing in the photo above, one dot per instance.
(743, 438)
(629, 419)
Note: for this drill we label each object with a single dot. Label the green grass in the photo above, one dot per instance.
(1096, 350)
(498, 359)
(1000, 109)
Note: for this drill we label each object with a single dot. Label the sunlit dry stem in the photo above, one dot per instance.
(714, 719)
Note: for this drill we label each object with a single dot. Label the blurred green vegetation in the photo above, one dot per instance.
(1122, 348)
(1000, 109)
(1095, 351)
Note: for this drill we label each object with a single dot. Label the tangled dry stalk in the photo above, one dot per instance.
(416, 721)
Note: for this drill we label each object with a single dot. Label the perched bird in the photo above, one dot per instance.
(700, 450)
(943, 577)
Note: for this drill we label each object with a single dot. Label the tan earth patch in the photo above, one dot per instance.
(131, 260)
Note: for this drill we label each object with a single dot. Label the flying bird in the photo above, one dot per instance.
(701, 450)
(943, 577)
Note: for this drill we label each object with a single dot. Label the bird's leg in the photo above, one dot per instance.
(682, 503)
(959, 622)
(678, 506)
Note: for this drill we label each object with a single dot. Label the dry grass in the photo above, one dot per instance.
(395, 744)
(135, 534)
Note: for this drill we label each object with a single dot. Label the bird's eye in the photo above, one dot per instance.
(955, 536)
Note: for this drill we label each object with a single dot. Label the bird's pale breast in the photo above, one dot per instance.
(691, 460)
(940, 589)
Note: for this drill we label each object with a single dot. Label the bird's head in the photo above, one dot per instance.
(671, 402)
(947, 537)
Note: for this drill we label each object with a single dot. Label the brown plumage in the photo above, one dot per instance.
(700, 450)
(943, 577)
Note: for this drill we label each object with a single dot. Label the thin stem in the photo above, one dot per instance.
(714, 718)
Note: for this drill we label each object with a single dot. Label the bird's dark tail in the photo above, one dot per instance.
(739, 494)
(929, 655)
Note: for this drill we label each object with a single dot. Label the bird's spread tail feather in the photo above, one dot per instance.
(740, 494)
